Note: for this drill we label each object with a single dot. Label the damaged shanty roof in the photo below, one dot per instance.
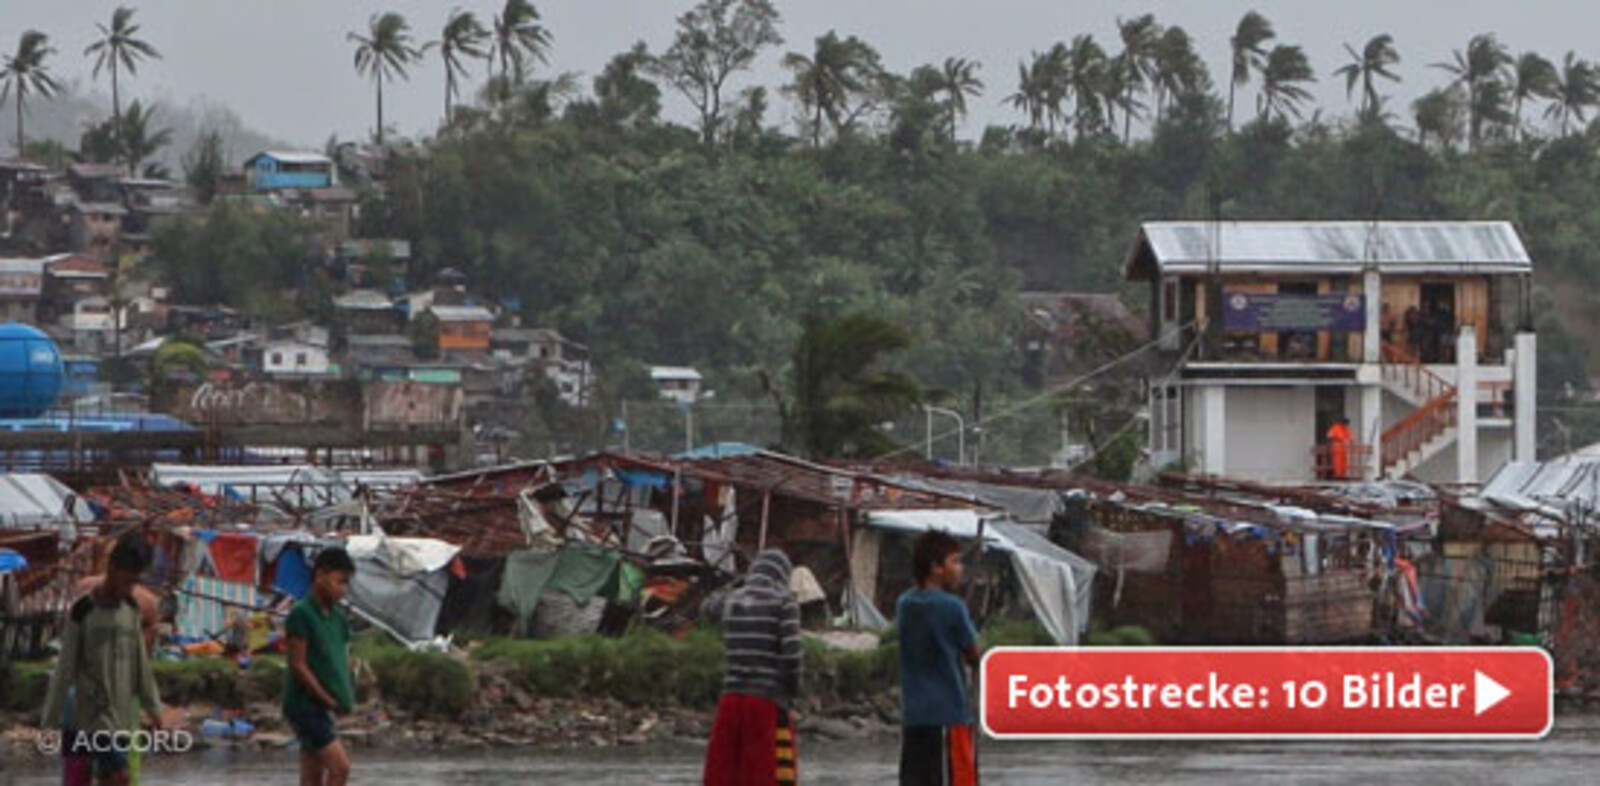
(1560, 491)
(801, 479)
(1192, 247)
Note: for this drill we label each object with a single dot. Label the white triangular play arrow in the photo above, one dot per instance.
(1486, 692)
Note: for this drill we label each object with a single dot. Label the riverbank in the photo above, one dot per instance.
(580, 692)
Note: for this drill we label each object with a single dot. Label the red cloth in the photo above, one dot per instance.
(752, 744)
(1339, 441)
(234, 556)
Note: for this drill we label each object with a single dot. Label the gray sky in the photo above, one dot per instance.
(285, 67)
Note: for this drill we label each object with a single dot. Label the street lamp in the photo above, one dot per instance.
(961, 433)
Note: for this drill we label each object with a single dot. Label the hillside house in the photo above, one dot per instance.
(274, 170)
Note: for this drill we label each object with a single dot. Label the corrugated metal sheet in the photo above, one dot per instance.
(1556, 490)
(1397, 247)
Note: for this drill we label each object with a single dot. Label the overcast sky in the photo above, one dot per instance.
(285, 67)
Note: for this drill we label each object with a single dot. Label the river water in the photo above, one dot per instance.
(1570, 756)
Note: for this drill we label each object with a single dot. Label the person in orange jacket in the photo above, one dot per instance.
(1339, 449)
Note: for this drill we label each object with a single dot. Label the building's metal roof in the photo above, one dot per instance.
(292, 157)
(461, 313)
(1332, 246)
(1560, 490)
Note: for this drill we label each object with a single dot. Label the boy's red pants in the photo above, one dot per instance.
(752, 744)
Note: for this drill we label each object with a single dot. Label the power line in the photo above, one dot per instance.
(1048, 394)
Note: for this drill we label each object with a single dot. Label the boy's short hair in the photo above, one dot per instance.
(131, 553)
(335, 559)
(930, 549)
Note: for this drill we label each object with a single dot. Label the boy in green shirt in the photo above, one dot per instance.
(319, 685)
(105, 667)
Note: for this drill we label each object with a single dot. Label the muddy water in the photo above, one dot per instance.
(1569, 757)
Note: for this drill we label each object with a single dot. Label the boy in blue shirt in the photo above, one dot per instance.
(937, 642)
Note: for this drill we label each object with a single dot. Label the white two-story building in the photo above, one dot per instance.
(1417, 334)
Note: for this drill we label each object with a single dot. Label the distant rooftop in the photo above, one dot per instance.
(673, 372)
(292, 157)
(1189, 247)
(462, 313)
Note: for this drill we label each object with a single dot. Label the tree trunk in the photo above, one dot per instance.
(378, 78)
(20, 139)
(116, 115)
(1231, 86)
(1127, 118)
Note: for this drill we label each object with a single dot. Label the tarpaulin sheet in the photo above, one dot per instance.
(1057, 582)
(233, 556)
(206, 604)
(404, 556)
(579, 571)
(11, 561)
(293, 575)
(408, 605)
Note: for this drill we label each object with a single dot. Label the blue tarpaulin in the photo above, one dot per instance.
(11, 561)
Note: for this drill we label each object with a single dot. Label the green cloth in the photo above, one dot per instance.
(104, 658)
(579, 571)
(327, 637)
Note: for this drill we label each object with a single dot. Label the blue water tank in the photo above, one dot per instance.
(30, 371)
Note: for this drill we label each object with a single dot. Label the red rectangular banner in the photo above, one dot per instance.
(1267, 692)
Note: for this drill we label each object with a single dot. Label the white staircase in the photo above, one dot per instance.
(1429, 428)
(1408, 462)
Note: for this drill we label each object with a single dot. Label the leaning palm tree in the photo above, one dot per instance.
(836, 74)
(1281, 92)
(1055, 76)
(1249, 48)
(1085, 71)
(1532, 77)
(25, 72)
(518, 38)
(1177, 67)
(119, 47)
(1139, 37)
(958, 80)
(463, 38)
(1577, 90)
(1483, 62)
(1374, 61)
(384, 53)
(1438, 116)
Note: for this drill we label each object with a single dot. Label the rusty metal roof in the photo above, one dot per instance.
(1328, 246)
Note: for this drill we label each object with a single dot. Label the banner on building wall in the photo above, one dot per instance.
(1338, 313)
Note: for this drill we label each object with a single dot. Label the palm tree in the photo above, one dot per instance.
(1372, 62)
(1139, 37)
(958, 81)
(843, 387)
(384, 53)
(1085, 73)
(1249, 46)
(463, 38)
(1532, 77)
(1031, 97)
(1281, 79)
(1116, 83)
(1438, 116)
(135, 138)
(518, 37)
(1577, 89)
(825, 83)
(25, 72)
(1055, 73)
(119, 47)
(1484, 62)
(1177, 68)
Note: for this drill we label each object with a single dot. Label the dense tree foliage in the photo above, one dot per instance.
(711, 244)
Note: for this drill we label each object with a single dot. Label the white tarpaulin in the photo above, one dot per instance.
(29, 499)
(1056, 581)
(405, 556)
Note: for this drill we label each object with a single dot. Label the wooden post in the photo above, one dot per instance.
(766, 509)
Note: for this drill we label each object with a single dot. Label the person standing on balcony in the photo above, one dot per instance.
(1339, 449)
